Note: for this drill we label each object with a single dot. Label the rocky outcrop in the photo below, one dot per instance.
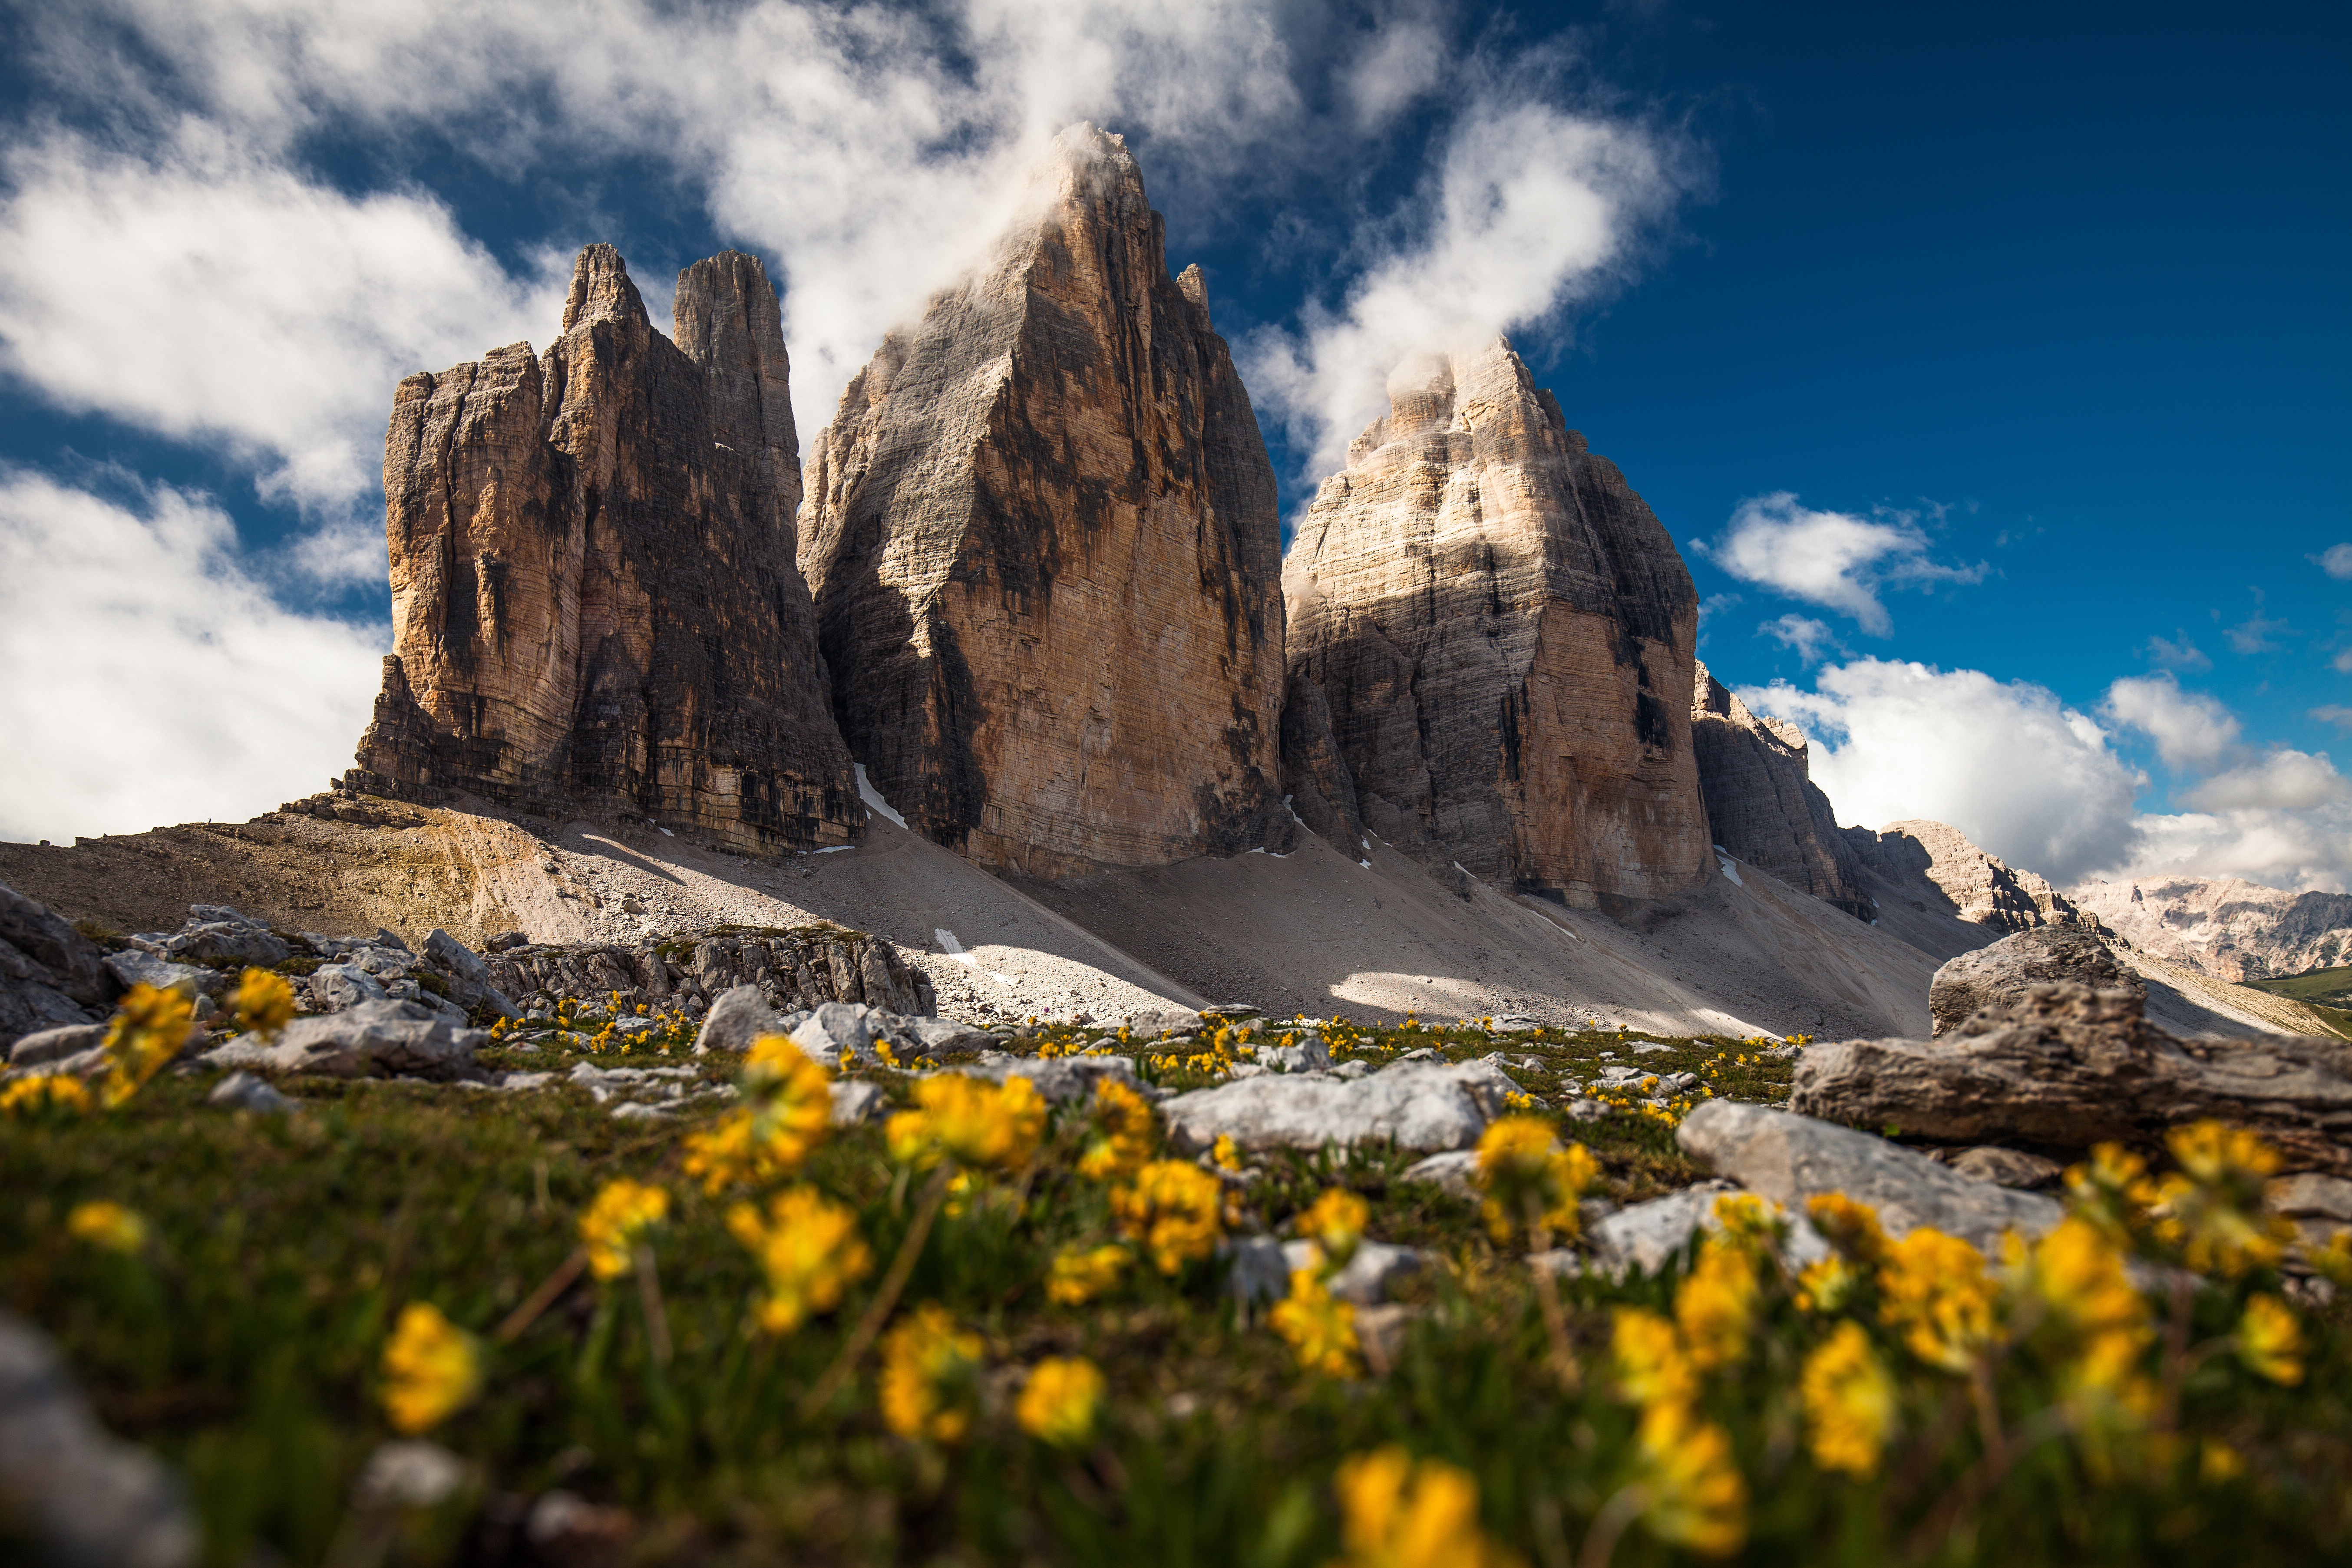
(1042, 538)
(1999, 977)
(1980, 888)
(2229, 929)
(1505, 635)
(795, 971)
(1762, 806)
(51, 977)
(594, 598)
(2069, 1066)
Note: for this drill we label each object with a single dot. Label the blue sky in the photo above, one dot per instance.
(1967, 352)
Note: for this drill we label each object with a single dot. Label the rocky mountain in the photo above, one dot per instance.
(1761, 802)
(595, 597)
(2230, 928)
(1504, 635)
(1980, 888)
(1043, 540)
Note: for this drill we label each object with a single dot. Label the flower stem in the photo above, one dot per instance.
(649, 1295)
(550, 1289)
(877, 1312)
(1548, 1297)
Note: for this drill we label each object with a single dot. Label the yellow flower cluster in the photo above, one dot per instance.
(1529, 1180)
(1080, 1275)
(1335, 1222)
(53, 1094)
(432, 1369)
(149, 1027)
(1059, 1403)
(2211, 1209)
(981, 1126)
(1397, 1514)
(103, 1223)
(1319, 1330)
(788, 1111)
(1850, 1401)
(808, 1247)
(1935, 1291)
(1124, 1134)
(1174, 1211)
(265, 1003)
(930, 1376)
(616, 1221)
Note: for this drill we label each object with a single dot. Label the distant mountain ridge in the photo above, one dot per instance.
(2226, 927)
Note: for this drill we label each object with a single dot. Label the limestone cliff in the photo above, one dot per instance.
(1981, 887)
(1505, 635)
(594, 599)
(2225, 927)
(1042, 535)
(1761, 802)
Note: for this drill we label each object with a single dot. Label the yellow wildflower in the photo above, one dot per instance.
(149, 1027)
(808, 1246)
(1395, 1513)
(1059, 1402)
(2218, 1462)
(1849, 1401)
(1692, 1491)
(2076, 1275)
(2211, 1208)
(2112, 1190)
(789, 1114)
(1336, 1224)
(2333, 1261)
(1078, 1277)
(265, 1003)
(2270, 1342)
(102, 1223)
(1716, 1303)
(930, 1376)
(1172, 1210)
(1850, 1227)
(1124, 1134)
(53, 1093)
(1226, 1154)
(1934, 1288)
(1748, 1221)
(432, 1369)
(1826, 1286)
(1521, 1165)
(1319, 1330)
(616, 1221)
(1648, 1353)
(977, 1124)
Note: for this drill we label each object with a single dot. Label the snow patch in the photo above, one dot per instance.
(873, 797)
(1730, 869)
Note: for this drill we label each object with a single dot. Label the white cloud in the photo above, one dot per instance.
(149, 679)
(1396, 67)
(2191, 730)
(2254, 634)
(2284, 780)
(2310, 848)
(1529, 209)
(1807, 636)
(206, 296)
(2180, 655)
(2336, 560)
(2334, 714)
(2022, 774)
(1832, 559)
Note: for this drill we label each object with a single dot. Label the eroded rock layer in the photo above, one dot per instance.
(1982, 888)
(1042, 538)
(594, 595)
(1761, 802)
(1504, 633)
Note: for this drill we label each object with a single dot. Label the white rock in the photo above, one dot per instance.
(1420, 1105)
(856, 1102)
(243, 1091)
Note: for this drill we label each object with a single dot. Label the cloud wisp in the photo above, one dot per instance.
(2192, 731)
(1836, 559)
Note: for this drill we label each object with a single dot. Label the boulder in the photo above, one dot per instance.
(1790, 1158)
(1647, 1237)
(1043, 536)
(1504, 637)
(83, 1497)
(2000, 975)
(56, 1045)
(738, 1016)
(71, 961)
(855, 1103)
(2068, 1067)
(1260, 1267)
(216, 934)
(1422, 1105)
(594, 600)
(374, 1039)
(132, 967)
(1061, 1079)
(336, 986)
(2007, 1167)
(243, 1091)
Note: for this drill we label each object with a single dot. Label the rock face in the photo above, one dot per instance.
(2229, 929)
(51, 977)
(593, 591)
(793, 971)
(1504, 633)
(2001, 975)
(1761, 802)
(1042, 538)
(2069, 1066)
(1793, 1158)
(1981, 887)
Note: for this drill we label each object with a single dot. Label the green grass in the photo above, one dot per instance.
(244, 1346)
